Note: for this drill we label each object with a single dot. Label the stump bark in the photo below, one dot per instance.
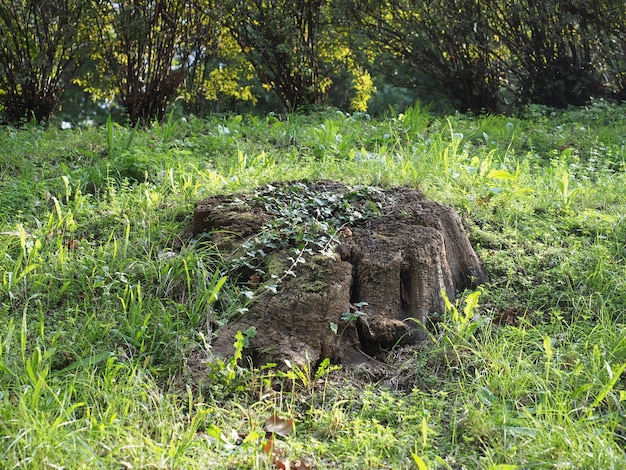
(379, 287)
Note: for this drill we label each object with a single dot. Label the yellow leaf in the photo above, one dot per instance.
(419, 462)
(501, 175)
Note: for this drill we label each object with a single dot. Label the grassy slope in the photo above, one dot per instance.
(104, 304)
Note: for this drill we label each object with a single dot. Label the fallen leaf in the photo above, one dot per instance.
(510, 316)
(277, 425)
(73, 244)
(269, 444)
(345, 232)
(301, 465)
(276, 450)
(254, 281)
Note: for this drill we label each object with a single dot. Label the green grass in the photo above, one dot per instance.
(107, 305)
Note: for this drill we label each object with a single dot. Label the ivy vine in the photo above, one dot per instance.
(308, 219)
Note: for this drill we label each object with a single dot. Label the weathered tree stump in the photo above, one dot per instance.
(369, 279)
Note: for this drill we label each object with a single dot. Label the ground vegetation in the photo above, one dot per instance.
(108, 303)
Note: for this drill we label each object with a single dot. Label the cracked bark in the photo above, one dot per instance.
(397, 263)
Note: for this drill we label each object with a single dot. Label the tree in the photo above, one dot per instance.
(552, 49)
(444, 47)
(146, 47)
(608, 18)
(218, 74)
(281, 39)
(42, 46)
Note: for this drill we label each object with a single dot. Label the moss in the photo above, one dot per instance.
(311, 276)
(276, 264)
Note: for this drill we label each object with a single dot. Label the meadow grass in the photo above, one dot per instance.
(107, 304)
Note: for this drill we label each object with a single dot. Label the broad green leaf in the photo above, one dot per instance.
(501, 174)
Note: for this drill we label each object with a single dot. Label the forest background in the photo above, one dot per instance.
(79, 60)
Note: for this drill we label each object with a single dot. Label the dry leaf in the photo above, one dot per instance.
(345, 232)
(301, 465)
(276, 450)
(73, 244)
(254, 281)
(267, 448)
(277, 425)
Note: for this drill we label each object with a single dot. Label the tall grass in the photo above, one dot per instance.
(107, 306)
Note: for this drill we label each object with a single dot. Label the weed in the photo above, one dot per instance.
(114, 147)
(459, 326)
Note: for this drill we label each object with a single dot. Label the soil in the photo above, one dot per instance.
(378, 288)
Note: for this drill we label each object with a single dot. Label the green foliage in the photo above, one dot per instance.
(296, 48)
(116, 149)
(107, 309)
(145, 48)
(460, 324)
(308, 220)
(43, 46)
(478, 56)
(151, 58)
(445, 46)
(549, 48)
(230, 372)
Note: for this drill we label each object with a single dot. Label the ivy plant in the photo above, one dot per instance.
(308, 219)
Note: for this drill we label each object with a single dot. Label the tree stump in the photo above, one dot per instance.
(339, 272)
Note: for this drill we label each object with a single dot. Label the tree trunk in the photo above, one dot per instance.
(375, 284)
